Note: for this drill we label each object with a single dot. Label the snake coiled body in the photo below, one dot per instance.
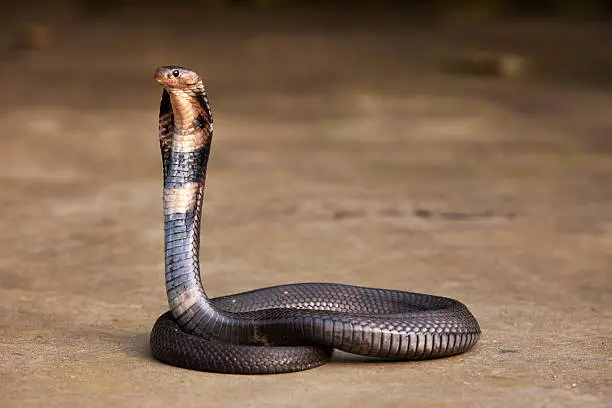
(282, 328)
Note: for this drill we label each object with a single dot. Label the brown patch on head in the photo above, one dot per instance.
(175, 77)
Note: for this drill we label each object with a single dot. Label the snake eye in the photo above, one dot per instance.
(176, 73)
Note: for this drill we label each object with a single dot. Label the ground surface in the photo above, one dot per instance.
(340, 155)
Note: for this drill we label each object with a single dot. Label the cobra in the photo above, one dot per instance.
(277, 329)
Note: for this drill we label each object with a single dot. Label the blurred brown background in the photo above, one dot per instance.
(456, 148)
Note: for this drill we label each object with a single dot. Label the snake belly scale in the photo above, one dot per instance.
(282, 328)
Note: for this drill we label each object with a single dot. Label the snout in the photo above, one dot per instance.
(160, 75)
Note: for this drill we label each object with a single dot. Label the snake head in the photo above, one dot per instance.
(174, 77)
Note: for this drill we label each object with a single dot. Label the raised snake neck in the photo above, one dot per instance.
(281, 328)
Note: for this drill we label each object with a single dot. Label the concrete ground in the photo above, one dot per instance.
(340, 155)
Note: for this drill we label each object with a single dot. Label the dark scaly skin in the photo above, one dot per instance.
(281, 328)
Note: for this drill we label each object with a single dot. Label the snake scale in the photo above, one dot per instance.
(278, 329)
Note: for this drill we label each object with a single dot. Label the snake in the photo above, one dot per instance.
(278, 329)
